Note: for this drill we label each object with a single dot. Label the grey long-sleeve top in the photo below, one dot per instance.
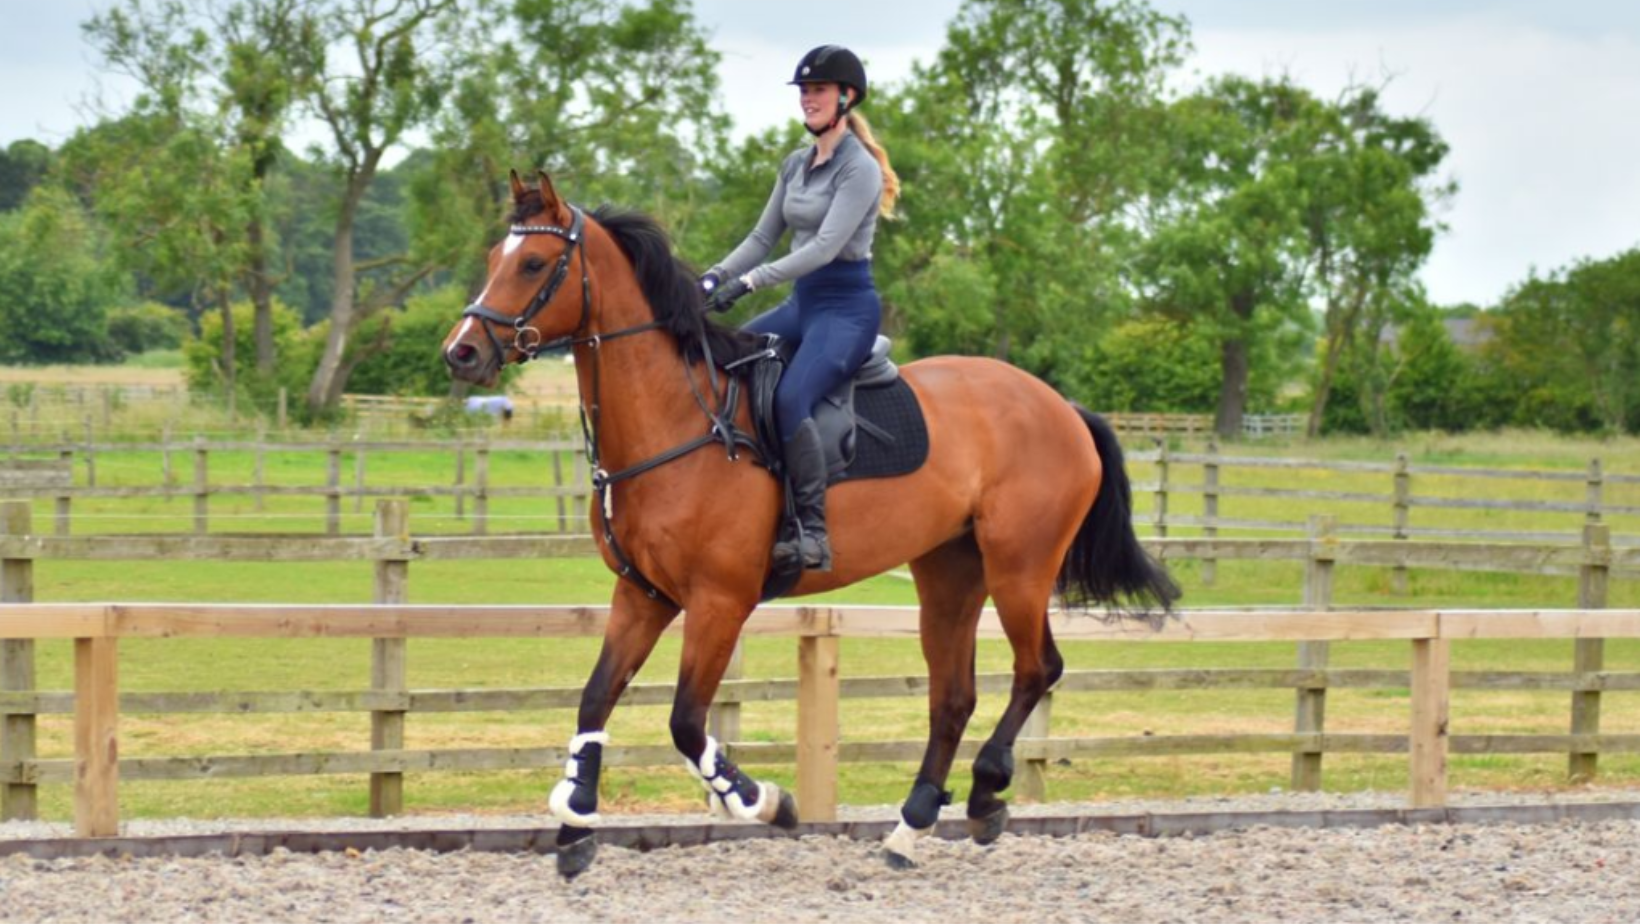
(831, 211)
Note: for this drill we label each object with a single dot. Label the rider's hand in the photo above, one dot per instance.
(724, 296)
(709, 282)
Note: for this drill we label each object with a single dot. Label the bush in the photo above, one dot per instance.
(148, 326)
(297, 353)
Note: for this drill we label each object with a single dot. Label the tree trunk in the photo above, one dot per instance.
(230, 372)
(261, 292)
(328, 380)
(1234, 366)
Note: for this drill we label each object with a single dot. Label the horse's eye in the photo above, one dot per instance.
(533, 265)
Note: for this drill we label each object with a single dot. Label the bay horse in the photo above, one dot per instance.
(1023, 495)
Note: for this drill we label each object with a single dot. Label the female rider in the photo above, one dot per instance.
(830, 196)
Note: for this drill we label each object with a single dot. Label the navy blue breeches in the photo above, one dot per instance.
(833, 315)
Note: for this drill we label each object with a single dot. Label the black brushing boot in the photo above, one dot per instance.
(806, 471)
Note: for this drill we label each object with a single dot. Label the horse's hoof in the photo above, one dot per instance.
(986, 830)
(898, 861)
(785, 817)
(575, 857)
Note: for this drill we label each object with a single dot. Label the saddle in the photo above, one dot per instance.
(870, 427)
(836, 418)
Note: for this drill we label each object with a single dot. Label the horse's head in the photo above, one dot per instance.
(534, 294)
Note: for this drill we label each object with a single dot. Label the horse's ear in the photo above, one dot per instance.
(518, 188)
(549, 196)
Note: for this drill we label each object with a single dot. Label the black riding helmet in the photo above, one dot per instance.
(834, 64)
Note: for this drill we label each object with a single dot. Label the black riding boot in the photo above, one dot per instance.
(806, 470)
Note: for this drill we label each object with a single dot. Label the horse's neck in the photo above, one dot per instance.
(639, 384)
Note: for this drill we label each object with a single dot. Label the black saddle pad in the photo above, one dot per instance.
(891, 437)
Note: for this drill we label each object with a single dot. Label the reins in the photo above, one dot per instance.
(527, 341)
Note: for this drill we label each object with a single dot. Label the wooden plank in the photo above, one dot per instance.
(1431, 709)
(817, 727)
(1540, 624)
(96, 737)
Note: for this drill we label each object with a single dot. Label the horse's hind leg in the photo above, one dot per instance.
(951, 588)
(1021, 590)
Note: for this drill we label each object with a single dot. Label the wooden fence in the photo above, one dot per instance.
(1197, 426)
(96, 703)
(568, 487)
(1401, 509)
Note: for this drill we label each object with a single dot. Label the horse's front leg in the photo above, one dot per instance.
(709, 636)
(635, 623)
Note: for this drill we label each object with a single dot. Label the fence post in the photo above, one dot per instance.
(1589, 654)
(1400, 516)
(18, 801)
(1159, 514)
(1596, 485)
(284, 408)
(333, 491)
(481, 489)
(461, 480)
(579, 457)
(358, 478)
(1310, 716)
(261, 460)
(165, 472)
(1210, 508)
(1431, 708)
(388, 670)
(558, 485)
(64, 500)
(723, 722)
(90, 455)
(202, 496)
(96, 737)
(1032, 784)
(818, 692)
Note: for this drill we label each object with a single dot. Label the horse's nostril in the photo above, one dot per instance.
(462, 354)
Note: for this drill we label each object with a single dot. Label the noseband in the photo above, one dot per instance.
(526, 339)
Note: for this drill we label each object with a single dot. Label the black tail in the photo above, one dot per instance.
(1106, 564)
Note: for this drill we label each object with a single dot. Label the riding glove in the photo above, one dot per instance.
(724, 296)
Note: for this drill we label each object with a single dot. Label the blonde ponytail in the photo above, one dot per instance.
(891, 180)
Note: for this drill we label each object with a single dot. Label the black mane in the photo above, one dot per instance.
(667, 282)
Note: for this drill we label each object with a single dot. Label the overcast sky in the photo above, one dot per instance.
(1540, 101)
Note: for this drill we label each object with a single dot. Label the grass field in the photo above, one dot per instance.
(159, 666)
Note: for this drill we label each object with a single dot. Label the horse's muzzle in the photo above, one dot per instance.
(471, 363)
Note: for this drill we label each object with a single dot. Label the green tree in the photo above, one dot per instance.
(1369, 191)
(57, 283)
(621, 106)
(1021, 148)
(1572, 339)
(23, 164)
(178, 202)
(1227, 242)
(223, 71)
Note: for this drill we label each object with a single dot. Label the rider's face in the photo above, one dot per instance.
(819, 103)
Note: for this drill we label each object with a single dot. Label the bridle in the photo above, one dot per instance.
(527, 341)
